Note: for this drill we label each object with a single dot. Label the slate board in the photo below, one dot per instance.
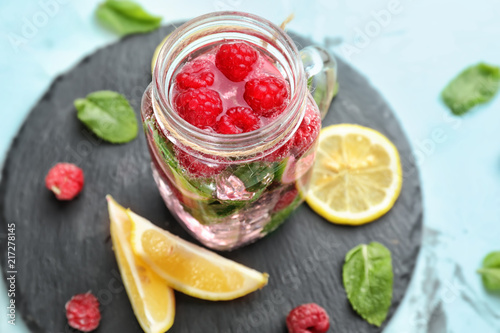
(64, 248)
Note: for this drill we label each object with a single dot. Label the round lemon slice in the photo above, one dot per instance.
(356, 177)
(152, 300)
(189, 268)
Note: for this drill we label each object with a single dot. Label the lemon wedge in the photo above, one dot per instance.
(189, 268)
(152, 300)
(356, 177)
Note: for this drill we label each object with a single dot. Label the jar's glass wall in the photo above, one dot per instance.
(224, 194)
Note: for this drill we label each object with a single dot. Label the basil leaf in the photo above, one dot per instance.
(491, 271)
(109, 115)
(475, 85)
(126, 17)
(368, 278)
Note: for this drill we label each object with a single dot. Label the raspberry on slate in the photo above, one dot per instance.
(65, 180)
(267, 96)
(83, 313)
(196, 167)
(308, 318)
(199, 107)
(195, 74)
(235, 60)
(286, 199)
(307, 131)
(237, 120)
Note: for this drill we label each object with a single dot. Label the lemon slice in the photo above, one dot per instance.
(157, 51)
(356, 177)
(189, 268)
(151, 298)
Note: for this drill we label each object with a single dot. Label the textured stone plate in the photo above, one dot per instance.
(65, 248)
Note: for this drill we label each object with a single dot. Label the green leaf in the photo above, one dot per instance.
(368, 278)
(126, 17)
(335, 90)
(310, 82)
(163, 146)
(218, 209)
(201, 187)
(255, 175)
(109, 115)
(475, 85)
(279, 169)
(278, 218)
(491, 271)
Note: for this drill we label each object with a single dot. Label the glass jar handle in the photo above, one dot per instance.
(321, 72)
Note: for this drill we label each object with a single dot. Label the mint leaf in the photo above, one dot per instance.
(193, 189)
(491, 271)
(475, 85)
(368, 278)
(218, 209)
(163, 145)
(126, 17)
(200, 188)
(278, 218)
(255, 175)
(109, 115)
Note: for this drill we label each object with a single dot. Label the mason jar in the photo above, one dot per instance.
(229, 190)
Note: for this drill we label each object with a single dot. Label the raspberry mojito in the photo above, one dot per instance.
(231, 129)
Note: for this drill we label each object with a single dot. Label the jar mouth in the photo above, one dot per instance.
(212, 28)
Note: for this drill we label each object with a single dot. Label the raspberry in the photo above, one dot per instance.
(308, 318)
(235, 60)
(65, 180)
(307, 132)
(281, 152)
(199, 107)
(83, 313)
(286, 199)
(237, 120)
(267, 96)
(196, 167)
(195, 74)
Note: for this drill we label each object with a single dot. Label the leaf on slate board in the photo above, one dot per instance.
(475, 85)
(368, 278)
(126, 17)
(109, 115)
(490, 271)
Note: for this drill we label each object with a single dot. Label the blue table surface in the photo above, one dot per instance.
(409, 50)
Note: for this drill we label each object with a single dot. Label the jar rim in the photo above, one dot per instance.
(266, 138)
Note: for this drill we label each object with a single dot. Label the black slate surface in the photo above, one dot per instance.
(64, 248)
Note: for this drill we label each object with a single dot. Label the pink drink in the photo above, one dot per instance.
(227, 197)
(231, 93)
